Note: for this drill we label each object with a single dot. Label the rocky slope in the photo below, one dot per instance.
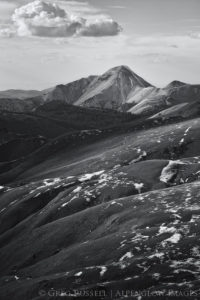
(68, 93)
(112, 89)
(21, 134)
(96, 203)
(107, 214)
(181, 96)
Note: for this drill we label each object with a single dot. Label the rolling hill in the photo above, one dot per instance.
(99, 191)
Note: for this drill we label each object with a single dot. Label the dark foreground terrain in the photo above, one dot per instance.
(107, 207)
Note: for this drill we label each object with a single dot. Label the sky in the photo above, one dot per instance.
(44, 43)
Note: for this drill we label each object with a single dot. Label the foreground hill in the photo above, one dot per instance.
(107, 213)
(23, 133)
(112, 247)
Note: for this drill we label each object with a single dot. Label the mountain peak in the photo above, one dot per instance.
(125, 71)
(112, 89)
(175, 84)
(121, 68)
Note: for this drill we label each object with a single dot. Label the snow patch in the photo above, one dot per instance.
(158, 255)
(165, 229)
(78, 189)
(186, 131)
(103, 270)
(174, 239)
(78, 274)
(138, 187)
(51, 181)
(170, 170)
(127, 255)
(89, 176)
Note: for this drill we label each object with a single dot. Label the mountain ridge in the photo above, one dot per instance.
(117, 89)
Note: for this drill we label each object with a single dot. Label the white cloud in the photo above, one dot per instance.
(195, 35)
(7, 32)
(41, 18)
(100, 27)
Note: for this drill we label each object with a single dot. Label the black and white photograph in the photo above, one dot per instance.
(100, 149)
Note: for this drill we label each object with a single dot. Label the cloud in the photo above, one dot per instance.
(45, 19)
(100, 27)
(195, 35)
(78, 8)
(7, 32)
(117, 6)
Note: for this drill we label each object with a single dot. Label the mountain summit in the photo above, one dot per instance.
(175, 84)
(112, 89)
(117, 89)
